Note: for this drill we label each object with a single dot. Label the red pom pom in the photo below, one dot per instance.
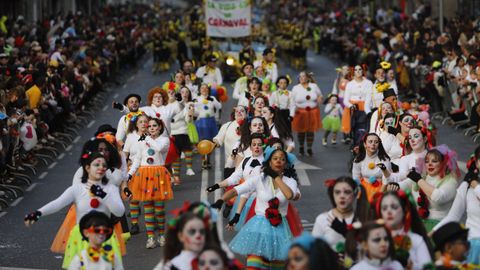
(85, 156)
(94, 203)
(307, 108)
(171, 86)
(220, 91)
(158, 115)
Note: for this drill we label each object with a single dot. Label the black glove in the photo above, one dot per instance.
(142, 138)
(117, 106)
(247, 95)
(127, 192)
(213, 188)
(382, 166)
(218, 204)
(234, 220)
(392, 130)
(33, 216)
(270, 172)
(339, 226)
(470, 176)
(235, 151)
(129, 177)
(97, 191)
(209, 98)
(395, 167)
(414, 175)
(178, 97)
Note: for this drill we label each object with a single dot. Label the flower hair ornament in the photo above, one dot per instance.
(132, 116)
(449, 161)
(382, 87)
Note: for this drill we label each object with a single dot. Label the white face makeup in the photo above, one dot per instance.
(193, 235)
(240, 113)
(210, 260)
(256, 126)
(266, 113)
(157, 100)
(416, 140)
(389, 122)
(97, 168)
(358, 72)
(377, 244)
(392, 212)
(259, 104)
(343, 196)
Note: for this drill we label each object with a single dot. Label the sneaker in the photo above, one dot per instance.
(310, 152)
(324, 141)
(182, 155)
(161, 241)
(301, 151)
(190, 172)
(334, 141)
(151, 243)
(134, 229)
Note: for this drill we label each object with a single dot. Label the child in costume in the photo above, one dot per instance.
(332, 121)
(96, 228)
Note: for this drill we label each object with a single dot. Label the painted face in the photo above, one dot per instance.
(259, 104)
(302, 78)
(193, 235)
(97, 168)
(390, 75)
(153, 128)
(407, 122)
(343, 196)
(185, 93)
(380, 75)
(278, 161)
(210, 260)
(282, 84)
(253, 87)
(142, 124)
(371, 144)
(157, 100)
(256, 126)
(266, 113)
(132, 104)
(204, 90)
(358, 72)
(256, 147)
(386, 108)
(97, 235)
(416, 140)
(433, 164)
(389, 122)
(392, 212)
(240, 113)
(377, 244)
(248, 70)
(297, 259)
(179, 78)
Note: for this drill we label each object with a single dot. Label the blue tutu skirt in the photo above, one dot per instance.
(258, 237)
(243, 214)
(474, 252)
(206, 128)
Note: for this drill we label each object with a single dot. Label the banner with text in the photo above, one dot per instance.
(228, 18)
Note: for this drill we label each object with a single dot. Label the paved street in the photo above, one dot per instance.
(23, 247)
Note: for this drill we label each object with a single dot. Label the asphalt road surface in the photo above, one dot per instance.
(22, 247)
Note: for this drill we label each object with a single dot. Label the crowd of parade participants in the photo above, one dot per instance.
(398, 204)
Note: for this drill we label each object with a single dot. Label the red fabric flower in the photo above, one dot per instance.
(307, 108)
(94, 203)
(330, 182)
(273, 216)
(158, 115)
(171, 86)
(377, 183)
(274, 203)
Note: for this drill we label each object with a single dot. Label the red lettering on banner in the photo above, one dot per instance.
(227, 23)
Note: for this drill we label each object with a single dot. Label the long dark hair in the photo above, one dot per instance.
(173, 246)
(362, 152)
(322, 256)
(245, 132)
(357, 236)
(114, 159)
(362, 209)
(280, 124)
(86, 160)
(410, 215)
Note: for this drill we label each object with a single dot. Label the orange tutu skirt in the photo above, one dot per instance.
(347, 116)
(60, 242)
(370, 188)
(307, 120)
(151, 183)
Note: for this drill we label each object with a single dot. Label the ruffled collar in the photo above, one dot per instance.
(377, 262)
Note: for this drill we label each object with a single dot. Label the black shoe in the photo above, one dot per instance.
(301, 151)
(226, 210)
(310, 152)
(134, 229)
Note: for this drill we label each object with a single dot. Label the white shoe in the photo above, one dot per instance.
(151, 243)
(190, 172)
(182, 155)
(161, 241)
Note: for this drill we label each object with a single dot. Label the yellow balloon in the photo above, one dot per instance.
(205, 147)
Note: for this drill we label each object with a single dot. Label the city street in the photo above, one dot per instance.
(23, 247)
